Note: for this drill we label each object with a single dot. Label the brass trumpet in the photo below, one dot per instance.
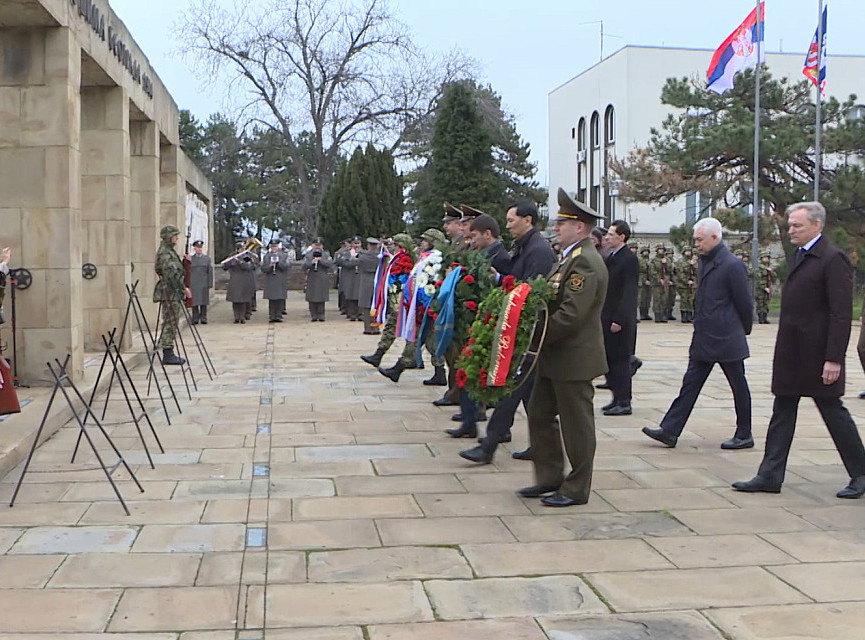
(251, 245)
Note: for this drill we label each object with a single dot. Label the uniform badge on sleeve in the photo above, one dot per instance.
(576, 283)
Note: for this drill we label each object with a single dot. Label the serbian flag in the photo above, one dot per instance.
(741, 50)
(818, 79)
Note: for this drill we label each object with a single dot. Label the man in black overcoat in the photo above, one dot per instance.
(619, 316)
(723, 315)
(816, 310)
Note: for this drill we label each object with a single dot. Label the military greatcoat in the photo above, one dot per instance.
(241, 280)
(200, 279)
(317, 277)
(274, 266)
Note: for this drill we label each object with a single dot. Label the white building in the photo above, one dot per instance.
(610, 108)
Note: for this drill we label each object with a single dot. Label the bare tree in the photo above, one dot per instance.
(326, 75)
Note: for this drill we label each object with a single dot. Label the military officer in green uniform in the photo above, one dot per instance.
(686, 284)
(645, 263)
(570, 358)
(661, 272)
(671, 286)
(764, 280)
(169, 291)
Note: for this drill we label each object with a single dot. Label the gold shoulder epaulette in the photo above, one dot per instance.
(576, 252)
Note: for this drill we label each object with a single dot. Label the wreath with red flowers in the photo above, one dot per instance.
(475, 357)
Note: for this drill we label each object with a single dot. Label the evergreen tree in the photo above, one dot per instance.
(191, 136)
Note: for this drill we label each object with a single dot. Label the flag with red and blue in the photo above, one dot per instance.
(741, 50)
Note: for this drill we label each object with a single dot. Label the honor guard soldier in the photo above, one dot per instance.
(274, 267)
(367, 265)
(241, 282)
(571, 356)
(686, 284)
(349, 273)
(200, 281)
(169, 291)
(645, 282)
(318, 265)
(764, 280)
(661, 271)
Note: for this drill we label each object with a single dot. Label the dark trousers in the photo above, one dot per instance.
(240, 310)
(782, 425)
(316, 311)
(367, 321)
(502, 420)
(274, 309)
(692, 383)
(199, 313)
(571, 400)
(860, 346)
(619, 379)
(352, 311)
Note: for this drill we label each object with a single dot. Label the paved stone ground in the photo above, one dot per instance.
(302, 496)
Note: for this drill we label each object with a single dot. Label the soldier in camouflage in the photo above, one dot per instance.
(765, 277)
(671, 287)
(686, 284)
(662, 272)
(169, 291)
(645, 282)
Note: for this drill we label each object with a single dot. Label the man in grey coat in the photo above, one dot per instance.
(200, 281)
(367, 265)
(241, 283)
(274, 265)
(349, 274)
(317, 264)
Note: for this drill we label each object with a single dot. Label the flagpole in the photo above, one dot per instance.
(755, 240)
(818, 125)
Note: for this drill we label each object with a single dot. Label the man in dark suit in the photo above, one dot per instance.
(722, 318)
(816, 310)
(570, 358)
(619, 317)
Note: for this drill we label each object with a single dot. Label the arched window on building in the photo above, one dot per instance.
(594, 161)
(582, 161)
(609, 190)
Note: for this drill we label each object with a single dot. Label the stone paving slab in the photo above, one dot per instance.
(127, 570)
(56, 610)
(687, 625)
(176, 608)
(840, 621)
(75, 539)
(460, 630)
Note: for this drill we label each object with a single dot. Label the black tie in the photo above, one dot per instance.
(800, 254)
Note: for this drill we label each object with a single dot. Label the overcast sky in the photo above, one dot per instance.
(528, 48)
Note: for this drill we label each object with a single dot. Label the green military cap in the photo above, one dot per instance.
(403, 240)
(570, 209)
(452, 214)
(469, 213)
(434, 235)
(168, 230)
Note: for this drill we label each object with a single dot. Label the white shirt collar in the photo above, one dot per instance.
(567, 251)
(807, 247)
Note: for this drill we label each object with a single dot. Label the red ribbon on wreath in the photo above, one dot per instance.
(505, 334)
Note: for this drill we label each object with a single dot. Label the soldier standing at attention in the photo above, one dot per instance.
(241, 286)
(200, 281)
(645, 282)
(273, 267)
(349, 273)
(671, 283)
(570, 358)
(661, 276)
(169, 291)
(764, 279)
(318, 265)
(367, 265)
(686, 284)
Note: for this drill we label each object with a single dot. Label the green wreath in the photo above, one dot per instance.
(474, 360)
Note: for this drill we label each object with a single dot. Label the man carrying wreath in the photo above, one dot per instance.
(570, 358)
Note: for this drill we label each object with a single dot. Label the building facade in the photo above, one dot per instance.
(610, 109)
(90, 169)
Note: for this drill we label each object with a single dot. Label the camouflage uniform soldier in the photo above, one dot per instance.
(686, 284)
(765, 278)
(671, 287)
(645, 282)
(169, 291)
(661, 271)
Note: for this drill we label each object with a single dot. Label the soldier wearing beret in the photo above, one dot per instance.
(169, 291)
(570, 358)
(200, 281)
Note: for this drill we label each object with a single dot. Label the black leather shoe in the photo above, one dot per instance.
(477, 454)
(738, 443)
(536, 490)
(862, 396)
(525, 454)
(507, 438)
(560, 500)
(609, 405)
(618, 410)
(458, 417)
(444, 401)
(636, 363)
(661, 436)
(603, 385)
(856, 489)
(757, 485)
(462, 433)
